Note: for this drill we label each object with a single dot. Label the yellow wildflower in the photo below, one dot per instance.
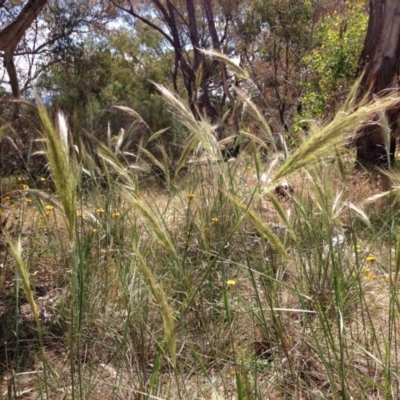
(369, 276)
(231, 282)
(7, 199)
(191, 196)
(24, 187)
(370, 259)
(49, 208)
(117, 214)
(28, 200)
(47, 213)
(95, 230)
(214, 219)
(100, 210)
(42, 179)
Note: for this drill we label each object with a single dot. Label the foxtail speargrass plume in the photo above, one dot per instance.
(162, 301)
(257, 116)
(62, 164)
(23, 274)
(201, 129)
(248, 104)
(65, 173)
(337, 133)
(234, 67)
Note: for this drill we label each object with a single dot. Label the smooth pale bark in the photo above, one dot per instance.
(10, 36)
(381, 60)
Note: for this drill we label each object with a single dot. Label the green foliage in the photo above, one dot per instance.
(274, 36)
(119, 68)
(289, 21)
(331, 65)
(103, 70)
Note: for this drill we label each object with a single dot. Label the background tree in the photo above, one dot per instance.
(381, 59)
(10, 36)
(37, 36)
(187, 27)
(34, 36)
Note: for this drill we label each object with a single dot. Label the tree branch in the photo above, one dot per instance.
(10, 36)
(12, 33)
(145, 20)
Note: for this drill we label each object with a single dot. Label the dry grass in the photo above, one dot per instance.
(220, 347)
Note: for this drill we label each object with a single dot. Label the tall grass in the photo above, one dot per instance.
(219, 288)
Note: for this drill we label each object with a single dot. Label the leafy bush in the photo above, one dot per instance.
(332, 64)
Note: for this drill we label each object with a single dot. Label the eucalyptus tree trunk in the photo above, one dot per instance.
(201, 102)
(380, 60)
